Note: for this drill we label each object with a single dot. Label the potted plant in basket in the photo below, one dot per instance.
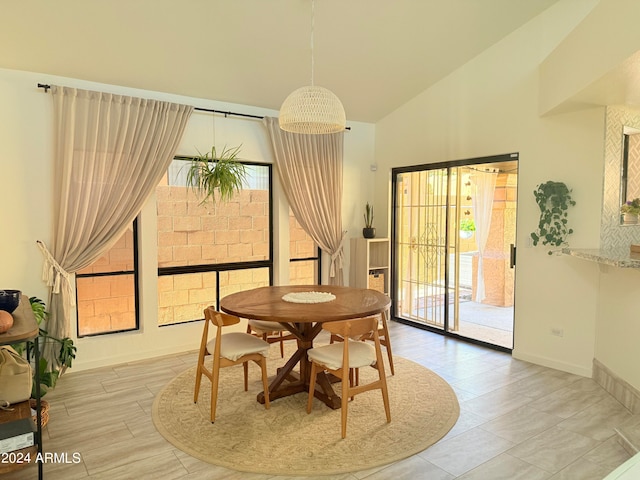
(630, 211)
(368, 231)
(48, 374)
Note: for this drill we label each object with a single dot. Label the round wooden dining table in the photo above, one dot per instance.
(304, 320)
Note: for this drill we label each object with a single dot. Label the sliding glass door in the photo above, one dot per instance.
(453, 237)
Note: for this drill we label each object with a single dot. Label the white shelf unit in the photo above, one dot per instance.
(370, 264)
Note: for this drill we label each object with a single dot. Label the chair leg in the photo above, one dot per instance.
(198, 380)
(353, 372)
(245, 367)
(312, 386)
(387, 341)
(344, 402)
(215, 374)
(383, 383)
(201, 357)
(385, 399)
(388, 346)
(281, 346)
(265, 381)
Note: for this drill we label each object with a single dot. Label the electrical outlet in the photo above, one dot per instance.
(557, 332)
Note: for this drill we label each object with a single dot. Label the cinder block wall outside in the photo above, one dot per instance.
(107, 303)
(190, 233)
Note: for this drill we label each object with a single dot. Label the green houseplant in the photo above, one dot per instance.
(554, 200)
(215, 172)
(467, 227)
(368, 231)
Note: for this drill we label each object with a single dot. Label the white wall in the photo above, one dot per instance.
(599, 45)
(490, 106)
(618, 328)
(26, 146)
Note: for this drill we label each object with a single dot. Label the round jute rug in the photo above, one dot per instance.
(285, 440)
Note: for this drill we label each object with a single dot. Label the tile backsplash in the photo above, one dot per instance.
(612, 234)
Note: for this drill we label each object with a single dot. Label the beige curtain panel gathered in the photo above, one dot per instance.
(484, 185)
(110, 152)
(310, 168)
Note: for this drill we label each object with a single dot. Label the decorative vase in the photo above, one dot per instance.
(466, 234)
(629, 218)
(369, 232)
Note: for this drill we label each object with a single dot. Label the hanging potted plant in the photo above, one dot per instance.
(212, 173)
(554, 200)
(630, 211)
(467, 227)
(368, 231)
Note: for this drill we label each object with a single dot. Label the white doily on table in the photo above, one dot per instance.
(309, 297)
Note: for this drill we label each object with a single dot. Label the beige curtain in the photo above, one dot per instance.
(484, 185)
(310, 168)
(110, 152)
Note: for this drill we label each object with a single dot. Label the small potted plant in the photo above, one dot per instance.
(467, 227)
(630, 211)
(368, 231)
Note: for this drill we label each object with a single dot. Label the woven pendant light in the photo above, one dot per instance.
(312, 109)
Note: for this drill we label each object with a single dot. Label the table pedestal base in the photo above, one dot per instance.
(323, 391)
(298, 383)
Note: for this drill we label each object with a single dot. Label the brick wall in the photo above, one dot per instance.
(193, 233)
(301, 246)
(107, 303)
(190, 234)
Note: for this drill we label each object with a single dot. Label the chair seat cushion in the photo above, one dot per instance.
(236, 344)
(265, 326)
(361, 354)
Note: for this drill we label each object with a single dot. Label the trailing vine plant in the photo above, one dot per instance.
(219, 172)
(554, 200)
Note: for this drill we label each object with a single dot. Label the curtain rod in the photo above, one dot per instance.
(199, 109)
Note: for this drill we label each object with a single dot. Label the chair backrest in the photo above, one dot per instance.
(218, 318)
(353, 328)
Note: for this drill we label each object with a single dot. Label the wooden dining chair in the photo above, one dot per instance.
(227, 350)
(270, 332)
(383, 334)
(342, 359)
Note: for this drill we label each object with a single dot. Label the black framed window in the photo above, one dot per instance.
(107, 291)
(304, 255)
(206, 251)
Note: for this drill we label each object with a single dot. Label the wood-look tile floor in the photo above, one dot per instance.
(517, 421)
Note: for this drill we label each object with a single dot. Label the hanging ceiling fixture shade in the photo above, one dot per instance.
(312, 109)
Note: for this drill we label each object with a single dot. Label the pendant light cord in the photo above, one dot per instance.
(312, 25)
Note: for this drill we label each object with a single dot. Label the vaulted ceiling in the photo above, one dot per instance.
(374, 54)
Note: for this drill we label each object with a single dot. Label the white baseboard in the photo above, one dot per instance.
(583, 371)
(129, 356)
